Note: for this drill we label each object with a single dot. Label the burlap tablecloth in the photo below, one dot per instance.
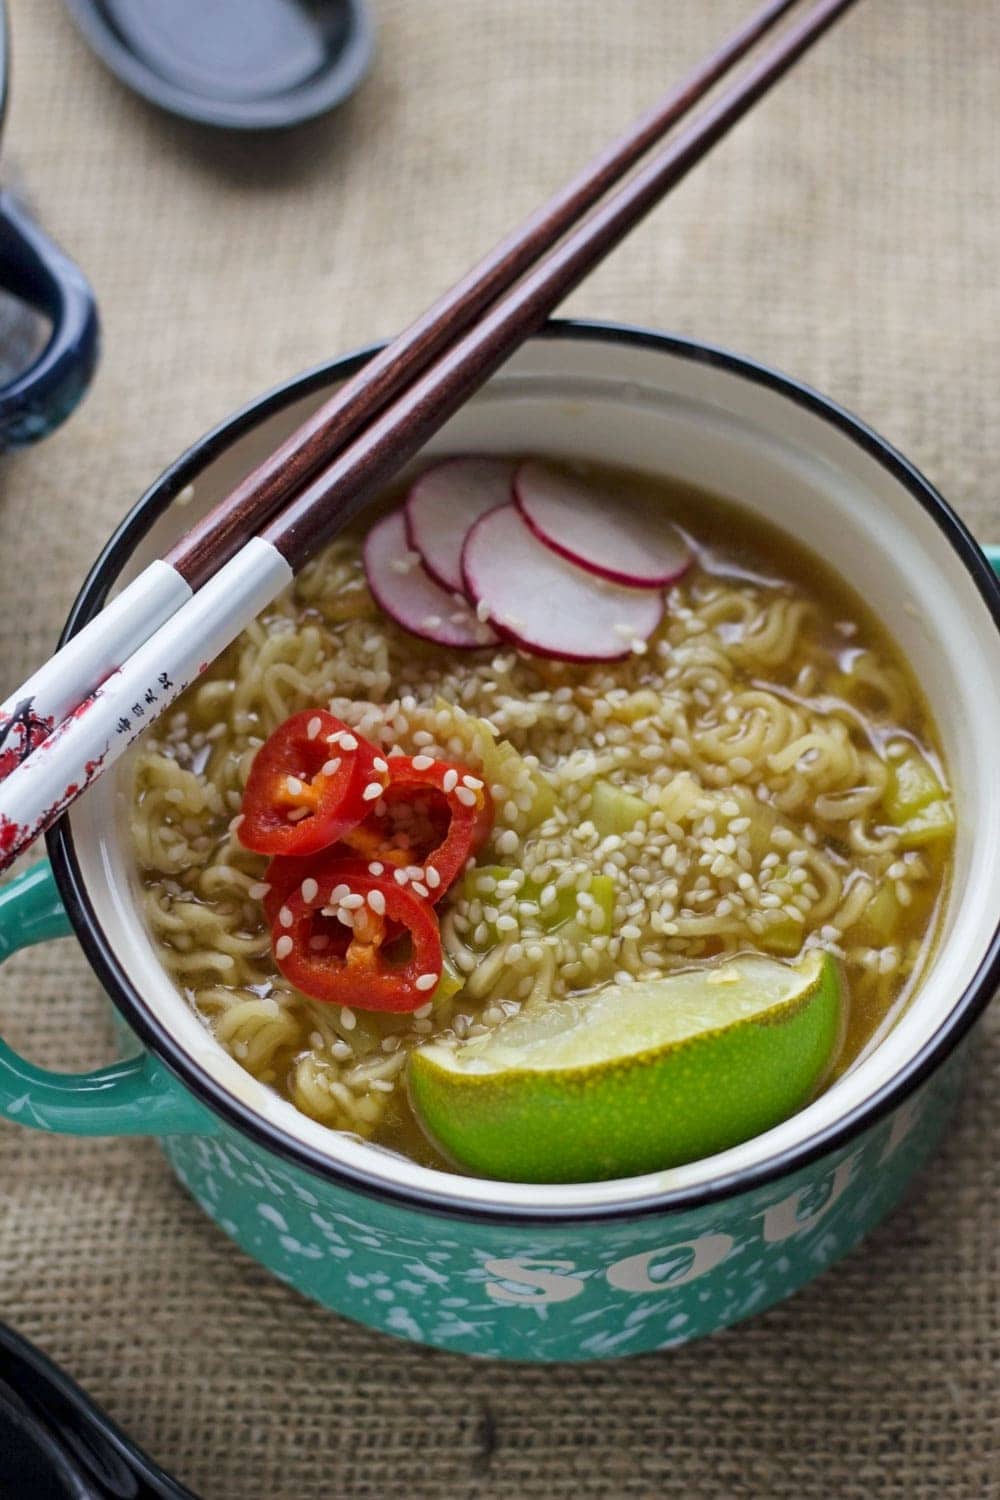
(848, 233)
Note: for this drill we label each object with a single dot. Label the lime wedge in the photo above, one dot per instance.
(634, 1077)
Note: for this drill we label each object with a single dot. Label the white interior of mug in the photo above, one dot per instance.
(650, 408)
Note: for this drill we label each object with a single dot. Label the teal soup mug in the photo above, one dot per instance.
(569, 1272)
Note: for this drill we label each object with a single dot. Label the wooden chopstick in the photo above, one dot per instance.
(84, 744)
(323, 507)
(242, 513)
(28, 717)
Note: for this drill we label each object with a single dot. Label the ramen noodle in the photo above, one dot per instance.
(733, 785)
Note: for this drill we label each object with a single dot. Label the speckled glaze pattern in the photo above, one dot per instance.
(583, 1286)
(570, 1290)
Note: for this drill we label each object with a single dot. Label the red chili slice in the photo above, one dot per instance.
(337, 946)
(285, 873)
(433, 815)
(288, 873)
(309, 784)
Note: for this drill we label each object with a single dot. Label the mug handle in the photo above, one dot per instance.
(33, 268)
(137, 1096)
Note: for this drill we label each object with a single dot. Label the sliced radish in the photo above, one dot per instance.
(445, 502)
(618, 536)
(406, 591)
(546, 605)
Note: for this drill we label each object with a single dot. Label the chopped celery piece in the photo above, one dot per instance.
(881, 914)
(501, 764)
(613, 810)
(480, 882)
(449, 984)
(935, 821)
(551, 917)
(679, 797)
(601, 889)
(782, 937)
(763, 820)
(913, 784)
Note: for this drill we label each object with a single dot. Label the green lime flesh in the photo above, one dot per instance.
(635, 1077)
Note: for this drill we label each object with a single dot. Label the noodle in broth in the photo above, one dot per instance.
(758, 730)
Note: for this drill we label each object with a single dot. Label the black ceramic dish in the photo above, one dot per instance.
(55, 1444)
(246, 65)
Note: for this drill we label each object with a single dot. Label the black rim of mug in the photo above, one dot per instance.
(155, 1035)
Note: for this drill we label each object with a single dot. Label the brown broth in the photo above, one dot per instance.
(838, 634)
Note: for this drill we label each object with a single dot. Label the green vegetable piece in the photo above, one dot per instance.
(564, 909)
(501, 763)
(476, 883)
(477, 886)
(449, 984)
(613, 810)
(935, 821)
(783, 937)
(913, 784)
(882, 913)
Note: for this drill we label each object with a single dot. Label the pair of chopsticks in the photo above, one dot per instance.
(79, 712)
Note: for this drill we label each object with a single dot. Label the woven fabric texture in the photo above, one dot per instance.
(848, 233)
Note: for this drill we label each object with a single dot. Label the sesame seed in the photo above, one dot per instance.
(310, 890)
(298, 815)
(259, 890)
(313, 727)
(371, 791)
(376, 867)
(422, 762)
(426, 982)
(331, 767)
(472, 782)
(380, 764)
(376, 901)
(467, 798)
(400, 877)
(432, 877)
(353, 902)
(285, 917)
(420, 889)
(347, 1018)
(348, 742)
(283, 947)
(338, 893)
(450, 780)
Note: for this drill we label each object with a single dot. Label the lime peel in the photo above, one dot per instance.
(636, 1077)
